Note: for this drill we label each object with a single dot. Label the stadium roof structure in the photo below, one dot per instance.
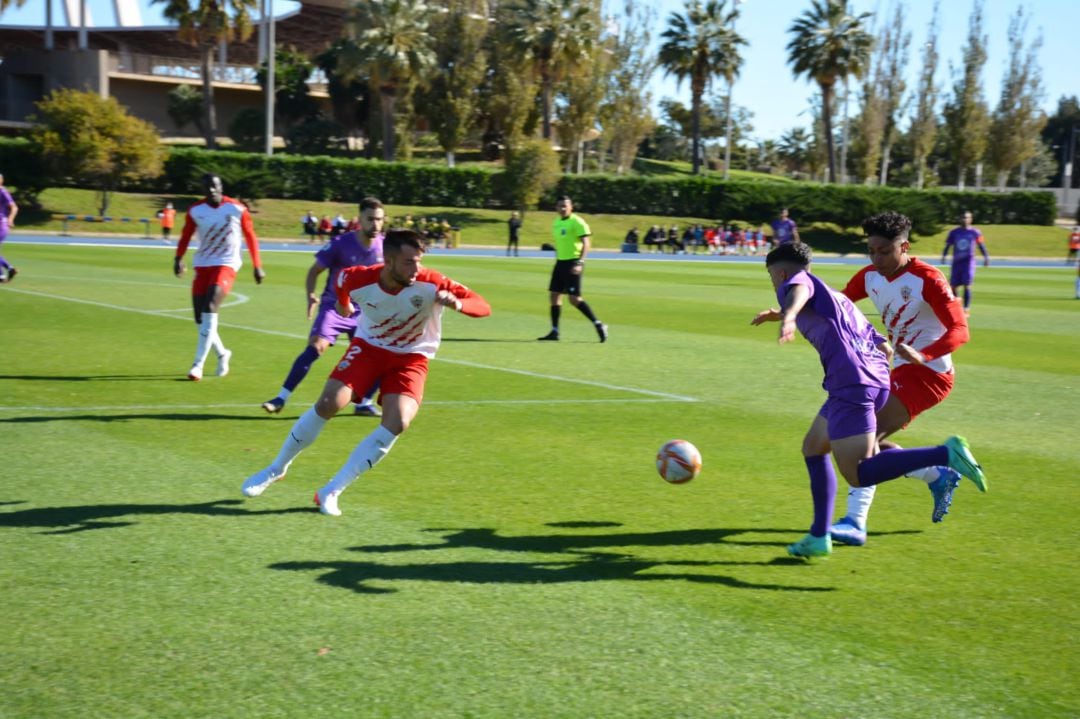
(310, 26)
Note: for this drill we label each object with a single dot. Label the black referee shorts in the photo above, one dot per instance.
(563, 280)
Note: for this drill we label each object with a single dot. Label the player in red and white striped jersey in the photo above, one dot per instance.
(220, 222)
(398, 330)
(925, 322)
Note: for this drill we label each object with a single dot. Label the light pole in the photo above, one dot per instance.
(727, 103)
(268, 18)
(1066, 171)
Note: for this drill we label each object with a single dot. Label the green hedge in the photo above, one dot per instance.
(329, 178)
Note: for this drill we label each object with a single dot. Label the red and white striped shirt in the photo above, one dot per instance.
(918, 308)
(406, 321)
(220, 230)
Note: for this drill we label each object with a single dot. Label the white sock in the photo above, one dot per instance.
(926, 474)
(367, 454)
(203, 347)
(302, 435)
(284, 393)
(208, 337)
(859, 500)
(210, 321)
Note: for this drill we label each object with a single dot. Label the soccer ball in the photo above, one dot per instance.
(678, 461)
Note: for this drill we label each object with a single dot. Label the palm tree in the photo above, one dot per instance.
(555, 35)
(389, 44)
(208, 24)
(699, 46)
(829, 44)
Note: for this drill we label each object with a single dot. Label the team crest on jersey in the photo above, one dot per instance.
(417, 302)
(905, 293)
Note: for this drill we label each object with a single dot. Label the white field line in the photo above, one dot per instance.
(158, 408)
(165, 313)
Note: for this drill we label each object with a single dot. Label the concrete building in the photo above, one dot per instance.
(139, 65)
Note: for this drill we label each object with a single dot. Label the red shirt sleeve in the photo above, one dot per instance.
(185, 236)
(472, 304)
(856, 286)
(248, 228)
(949, 311)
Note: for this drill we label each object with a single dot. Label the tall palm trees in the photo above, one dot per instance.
(390, 45)
(210, 22)
(555, 35)
(699, 46)
(829, 44)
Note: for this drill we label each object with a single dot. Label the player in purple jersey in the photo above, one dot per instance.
(855, 359)
(8, 210)
(362, 247)
(784, 229)
(962, 241)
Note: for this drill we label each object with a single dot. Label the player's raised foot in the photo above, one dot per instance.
(257, 483)
(195, 373)
(942, 488)
(552, 336)
(223, 363)
(811, 546)
(273, 406)
(601, 330)
(848, 531)
(963, 461)
(367, 410)
(326, 500)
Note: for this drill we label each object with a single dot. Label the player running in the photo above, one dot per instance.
(853, 356)
(963, 240)
(925, 324)
(361, 247)
(8, 210)
(220, 222)
(397, 333)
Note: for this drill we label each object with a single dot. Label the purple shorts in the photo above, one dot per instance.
(961, 275)
(329, 324)
(3, 230)
(852, 410)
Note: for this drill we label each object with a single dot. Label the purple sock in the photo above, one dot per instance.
(823, 491)
(896, 462)
(4, 263)
(300, 368)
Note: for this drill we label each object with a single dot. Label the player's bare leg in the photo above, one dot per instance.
(398, 413)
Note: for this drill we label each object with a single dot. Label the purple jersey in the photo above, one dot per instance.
(343, 251)
(6, 203)
(784, 231)
(845, 340)
(963, 241)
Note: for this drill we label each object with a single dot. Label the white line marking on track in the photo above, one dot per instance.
(466, 363)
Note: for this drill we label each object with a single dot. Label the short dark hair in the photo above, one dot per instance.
(370, 203)
(564, 198)
(890, 225)
(797, 253)
(396, 239)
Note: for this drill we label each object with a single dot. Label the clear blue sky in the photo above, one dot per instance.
(779, 102)
(765, 85)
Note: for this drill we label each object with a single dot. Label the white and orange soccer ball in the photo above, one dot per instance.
(678, 461)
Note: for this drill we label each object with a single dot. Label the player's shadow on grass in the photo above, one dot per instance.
(165, 416)
(68, 520)
(358, 576)
(485, 538)
(93, 378)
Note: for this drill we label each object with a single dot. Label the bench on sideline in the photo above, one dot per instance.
(67, 219)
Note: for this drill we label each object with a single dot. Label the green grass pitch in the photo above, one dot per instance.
(516, 554)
